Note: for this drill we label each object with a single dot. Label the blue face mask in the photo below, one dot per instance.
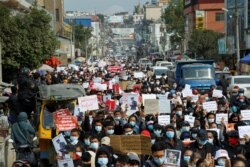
(150, 127)
(102, 161)
(98, 128)
(234, 109)
(170, 134)
(185, 128)
(159, 161)
(110, 132)
(221, 162)
(186, 158)
(157, 133)
(94, 146)
(67, 133)
(194, 135)
(132, 123)
(179, 113)
(86, 142)
(202, 142)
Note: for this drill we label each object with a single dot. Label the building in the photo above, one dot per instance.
(18, 5)
(153, 12)
(137, 18)
(204, 14)
(84, 21)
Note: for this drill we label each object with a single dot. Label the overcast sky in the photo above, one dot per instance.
(102, 6)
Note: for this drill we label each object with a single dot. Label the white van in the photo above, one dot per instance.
(145, 62)
(242, 81)
(158, 71)
(167, 64)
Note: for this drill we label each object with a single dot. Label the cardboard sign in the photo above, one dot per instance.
(244, 130)
(245, 115)
(148, 96)
(151, 106)
(131, 143)
(164, 120)
(219, 117)
(88, 103)
(59, 143)
(210, 106)
(164, 106)
(190, 119)
(217, 93)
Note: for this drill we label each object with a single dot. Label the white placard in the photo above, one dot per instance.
(190, 119)
(59, 143)
(195, 98)
(164, 120)
(85, 85)
(187, 86)
(139, 74)
(65, 163)
(245, 115)
(210, 106)
(217, 93)
(88, 103)
(148, 96)
(244, 130)
(97, 80)
(164, 106)
(219, 117)
(187, 93)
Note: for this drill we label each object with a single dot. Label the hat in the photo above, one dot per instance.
(185, 135)
(145, 133)
(185, 123)
(221, 153)
(105, 141)
(133, 156)
(202, 134)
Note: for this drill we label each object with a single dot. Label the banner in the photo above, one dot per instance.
(88, 103)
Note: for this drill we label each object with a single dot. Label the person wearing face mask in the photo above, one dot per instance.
(128, 129)
(233, 96)
(221, 156)
(150, 126)
(103, 158)
(158, 155)
(118, 122)
(86, 140)
(133, 121)
(213, 139)
(88, 159)
(186, 158)
(108, 128)
(171, 138)
(98, 128)
(231, 143)
(210, 118)
(201, 145)
(157, 130)
(241, 99)
(94, 143)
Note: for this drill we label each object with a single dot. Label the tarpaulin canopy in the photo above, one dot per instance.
(245, 59)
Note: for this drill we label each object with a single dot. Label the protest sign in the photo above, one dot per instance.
(210, 106)
(187, 86)
(220, 116)
(66, 123)
(110, 104)
(59, 143)
(244, 130)
(132, 143)
(164, 106)
(132, 101)
(164, 120)
(88, 103)
(187, 92)
(65, 163)
(217, 93)
(139, 75)
(151, 106)
(195, 98)
(106, 97)
(61, 113)
(245, 115)
(148, 96)
(173, 157)
(190, 119)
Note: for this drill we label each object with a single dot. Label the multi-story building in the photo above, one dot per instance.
(18, 5)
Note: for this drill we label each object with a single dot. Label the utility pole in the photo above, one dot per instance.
(1, 72)
(237, 36)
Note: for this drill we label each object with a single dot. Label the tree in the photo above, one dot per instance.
(27, 39)
(204, 43)
(175, 21)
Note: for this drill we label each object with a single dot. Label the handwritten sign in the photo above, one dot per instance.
(139, 74)
(151, 106)
(148, 96)
(244, 130)
(164, 120)
(221, 116)
(210, 106)
(88, 103)
(132, 143)
(217, 93)
(187, 93)
(190, 119)
(245, 115)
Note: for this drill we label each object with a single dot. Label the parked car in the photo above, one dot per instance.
(158, 71)
(242, 81)
(167, 64)
(145, 62)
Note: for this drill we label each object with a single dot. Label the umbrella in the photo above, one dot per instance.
(46, 67)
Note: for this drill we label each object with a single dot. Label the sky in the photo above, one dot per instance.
(102, 6)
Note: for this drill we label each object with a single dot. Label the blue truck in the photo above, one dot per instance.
(199, 74)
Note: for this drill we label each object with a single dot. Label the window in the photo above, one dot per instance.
(219, 17)
(57, 15)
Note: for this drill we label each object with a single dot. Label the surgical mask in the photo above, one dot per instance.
(159, 161)
(157, 133)
(132, 123)
(206, 98)
(150, 127)
(110, 132)
(74, 140)
(129, 133)
(179, 113)
(221, 162)
(194, 135)
(170, 134)
(152, 141)
(98, 128)
(211, 141)
(67, 133)
(102, 161)
(94, 146)
(79, 154)
(235, 94)
(186, 158)
(157, 83)
(86, 142)
(185, 129)
(241, 100)
(241, 94)
(211, 120)
(202, 142)
(118, 118)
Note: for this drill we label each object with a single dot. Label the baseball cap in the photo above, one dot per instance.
(202, 134)
(133, 156)
(221, 153)
(105, 141)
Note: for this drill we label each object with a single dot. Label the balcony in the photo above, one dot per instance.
(18, 4)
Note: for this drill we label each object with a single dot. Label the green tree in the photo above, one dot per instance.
(82, 36)
(27, 39)
(175, 21)
(204, 43)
